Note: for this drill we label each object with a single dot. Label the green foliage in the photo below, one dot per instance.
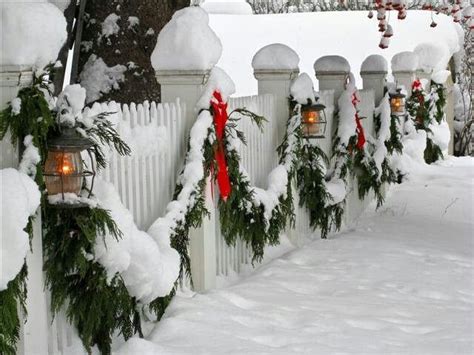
(239, 216)
(102, 132)
(313, 194)
(424, 109)
(367, 177)
(10, 300)
(35, 118)
(99, 307)
(75, 280)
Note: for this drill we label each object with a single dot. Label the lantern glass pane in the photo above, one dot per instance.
(63, 172)
(313, 124)
(397, 105)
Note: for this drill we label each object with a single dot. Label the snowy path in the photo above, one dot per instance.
(400, 282)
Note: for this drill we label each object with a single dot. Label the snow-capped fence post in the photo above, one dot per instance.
(332, 72)
(374, 74)
(404, 66)
(275, 66)
(33, 333)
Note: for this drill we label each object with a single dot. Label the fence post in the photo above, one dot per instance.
(404, 75)
(332, 72)
(276, 79)
(33, 333)
(374, 74)
(187, 85)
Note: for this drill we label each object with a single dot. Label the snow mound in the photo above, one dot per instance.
(374, 63)
(218, 81)
(275, 56)
(302, 90)
(332, 63)
(440, 76)
(187, 42)
(148, 268)
(432, 57)
(405, 61)
(32, 33)
(20, 199)
(225, 7)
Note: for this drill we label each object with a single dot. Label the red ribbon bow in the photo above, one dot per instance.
(359, 129)
(219, 108)
(416, 85)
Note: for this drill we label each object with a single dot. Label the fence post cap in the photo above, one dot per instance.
(276, 74)
(374, 64)
(185, 77)
(331, 65)
(276, 56)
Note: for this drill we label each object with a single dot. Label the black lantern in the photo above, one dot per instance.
(64, 169)
(313, 120)
(397, 103)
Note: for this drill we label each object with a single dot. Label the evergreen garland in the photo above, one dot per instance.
(240, 217)
(10, 300)
(21, 124)
(426, 109)
(75, 280)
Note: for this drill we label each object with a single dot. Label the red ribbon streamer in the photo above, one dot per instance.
(219, 108)
(359, 129)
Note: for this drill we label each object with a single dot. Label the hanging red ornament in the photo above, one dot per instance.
(384, 42)
(402, 14)
(371, 14)
(388, 32)
(433, 24)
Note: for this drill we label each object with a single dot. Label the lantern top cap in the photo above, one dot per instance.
(313, 106)
(397, 94)
(70, 140)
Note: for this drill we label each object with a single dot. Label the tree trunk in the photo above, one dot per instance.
(125, 43)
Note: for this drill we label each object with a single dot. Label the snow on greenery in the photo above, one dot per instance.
(32, 33)
(30, 158)
(380, 152)
(347, 112)
(187, 42)
(275, 56)
(218, 81)
(148, 267)
(302, 90)
(20, 198)
(400, 282)
(98, 78)
(374, 63)
(193, 173)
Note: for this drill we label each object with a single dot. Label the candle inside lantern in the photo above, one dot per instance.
(311, 124)
(397, 103)
(63, 172)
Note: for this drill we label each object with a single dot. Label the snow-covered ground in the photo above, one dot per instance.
(400, 281)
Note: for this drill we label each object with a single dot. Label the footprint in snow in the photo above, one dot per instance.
(435, 295)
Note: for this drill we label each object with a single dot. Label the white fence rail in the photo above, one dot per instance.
(146, 180)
